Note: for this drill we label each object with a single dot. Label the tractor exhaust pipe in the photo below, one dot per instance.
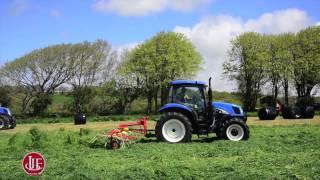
(210, 108)
(210, 91)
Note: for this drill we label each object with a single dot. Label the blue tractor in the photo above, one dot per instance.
(7, 121)
(191, 111)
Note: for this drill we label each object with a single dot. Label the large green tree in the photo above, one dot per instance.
(159, 60)
(5, 98)
(307, 60)
(91, 60)
(5, 90)
(39, 73)
(279, 65)
(285, 56)
(246, 64)
(273, 65)
(118, 91)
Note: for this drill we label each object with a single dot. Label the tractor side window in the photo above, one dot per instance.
(169, 99)
(190, 96)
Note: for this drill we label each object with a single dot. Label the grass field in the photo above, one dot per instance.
(280, 149)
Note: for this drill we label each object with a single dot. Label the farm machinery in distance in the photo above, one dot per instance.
(7, 121)
(189, 111)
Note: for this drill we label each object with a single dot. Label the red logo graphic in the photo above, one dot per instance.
(33, 164)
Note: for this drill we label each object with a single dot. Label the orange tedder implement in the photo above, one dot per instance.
(128, 132)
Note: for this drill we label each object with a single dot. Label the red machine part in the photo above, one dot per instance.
(141, 123)
(141, 127)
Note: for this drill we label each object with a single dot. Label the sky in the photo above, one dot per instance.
(26, 25)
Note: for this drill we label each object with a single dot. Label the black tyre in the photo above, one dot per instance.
(308, 112)
(286, 113)
(218, 134)
(13, 122)
(291, 113)
(268, 113)
(80, 118)
(235, 130)
(173, 127)
(4, 122)
(296, 112)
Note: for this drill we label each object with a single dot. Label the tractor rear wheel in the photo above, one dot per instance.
(4, 122)
(235, 130)
(13, 122)
(173, 127)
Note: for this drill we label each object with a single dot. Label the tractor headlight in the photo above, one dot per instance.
(221, 111)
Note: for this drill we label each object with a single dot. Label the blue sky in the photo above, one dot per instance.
(29, 24)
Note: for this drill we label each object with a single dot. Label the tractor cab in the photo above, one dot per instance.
(192, 95)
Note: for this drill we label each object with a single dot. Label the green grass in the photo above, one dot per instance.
(290, 151)
(52, 120)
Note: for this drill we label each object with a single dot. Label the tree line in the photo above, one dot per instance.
(99, 78)
(257, 61)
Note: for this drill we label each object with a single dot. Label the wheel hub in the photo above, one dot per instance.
(173, 130)
(235, 132)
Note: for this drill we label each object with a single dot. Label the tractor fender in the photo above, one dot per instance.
(174, 107)
(4, 111)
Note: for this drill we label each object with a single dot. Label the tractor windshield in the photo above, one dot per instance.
(190, 96)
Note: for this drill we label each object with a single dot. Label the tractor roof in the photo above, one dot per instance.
(189, 82)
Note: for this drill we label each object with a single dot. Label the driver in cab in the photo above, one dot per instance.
(186, 97)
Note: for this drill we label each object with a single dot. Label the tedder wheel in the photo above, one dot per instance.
(115, 144)
(4, 122)
(13, 123)
(173, 127)
(235, 130)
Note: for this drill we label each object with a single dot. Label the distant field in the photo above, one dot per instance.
(61, 103)
(280, 149)
(112, 123)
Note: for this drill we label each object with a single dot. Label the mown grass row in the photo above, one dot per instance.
(288, 152)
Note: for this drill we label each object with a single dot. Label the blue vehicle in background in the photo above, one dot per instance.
(191, 111)
(7, 121)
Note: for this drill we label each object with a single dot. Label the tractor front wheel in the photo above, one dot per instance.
(13, 122)
(235, 130)
(173, 127)
(4, 122)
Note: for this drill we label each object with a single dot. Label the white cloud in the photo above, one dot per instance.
(145, 7)
(212, 37)
(186, 5)
(279, 21)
